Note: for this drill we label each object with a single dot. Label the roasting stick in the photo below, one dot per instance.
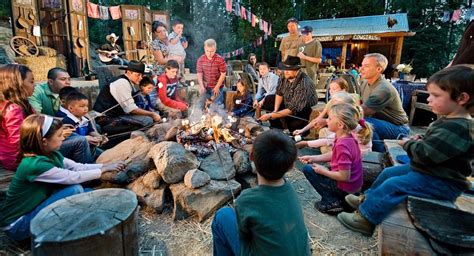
(296, 117)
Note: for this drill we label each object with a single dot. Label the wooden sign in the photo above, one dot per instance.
(324, 38)
(343, 38)
(366, 37)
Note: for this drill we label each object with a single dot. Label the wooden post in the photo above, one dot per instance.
(343, 55)
(101, 222)
(399, 47)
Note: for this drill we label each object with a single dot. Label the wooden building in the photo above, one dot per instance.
(346, 40)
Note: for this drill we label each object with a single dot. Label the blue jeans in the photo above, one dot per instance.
(220, 99)
(119, 61)
(21, 229)
(138, 119)
(76, 148)
(385, 130)
(395, 184)
(225, 235)
(325, 186)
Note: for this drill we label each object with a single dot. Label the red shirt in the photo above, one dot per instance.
(211, 69)
(11, 121)
(168, 93)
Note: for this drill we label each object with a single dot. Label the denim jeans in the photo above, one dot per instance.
(325, 186)
(21, 229)
(76, 148)
(139, 119)
(385, 130)
(219, 100)
(225, 235)
(119, 61)
(395, 184)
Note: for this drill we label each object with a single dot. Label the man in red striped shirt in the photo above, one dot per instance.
(211, 69)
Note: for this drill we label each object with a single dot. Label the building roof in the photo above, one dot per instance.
(356, 25)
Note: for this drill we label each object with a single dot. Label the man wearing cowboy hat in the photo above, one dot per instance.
(116, 100)
(295, 95)
(113, 50)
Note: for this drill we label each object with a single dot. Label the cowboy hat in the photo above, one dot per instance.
(107, 37)
(291, 63)
(134, 66)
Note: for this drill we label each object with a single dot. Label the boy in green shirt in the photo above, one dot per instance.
(267, 219)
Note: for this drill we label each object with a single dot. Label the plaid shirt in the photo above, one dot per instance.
(211, 69)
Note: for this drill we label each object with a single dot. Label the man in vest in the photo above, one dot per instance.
(117, 103)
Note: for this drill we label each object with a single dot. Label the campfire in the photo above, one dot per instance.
(211, 133)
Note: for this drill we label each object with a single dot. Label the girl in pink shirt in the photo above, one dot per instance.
(345, 175)
(16, 85)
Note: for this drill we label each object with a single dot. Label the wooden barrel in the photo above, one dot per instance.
(101, 222)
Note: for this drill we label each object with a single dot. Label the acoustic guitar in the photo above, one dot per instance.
(108, 56)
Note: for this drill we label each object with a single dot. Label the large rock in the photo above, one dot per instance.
(150, 198)
(242, 162)
(202, 202)
(219, 165)
(134, 153)
(248, 180)
(164, 131)
(172, 161)
(196, 178)
(152, 179)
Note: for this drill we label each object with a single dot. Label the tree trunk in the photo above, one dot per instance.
(101, 222)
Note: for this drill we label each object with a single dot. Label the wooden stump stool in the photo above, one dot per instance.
(101, 222)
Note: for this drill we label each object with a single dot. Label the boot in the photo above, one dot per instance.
(356, 222)
(354, 201)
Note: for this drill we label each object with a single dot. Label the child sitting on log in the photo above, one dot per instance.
(242, 100)
(440, 161)
(345, 175)
(73, 112)
(326, 137)
(43, 176)
(267, 219)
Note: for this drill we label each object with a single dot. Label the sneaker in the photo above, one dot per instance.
(354, 201)
(356, 222)
(329, 208)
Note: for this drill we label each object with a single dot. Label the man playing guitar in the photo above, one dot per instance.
(110, 52)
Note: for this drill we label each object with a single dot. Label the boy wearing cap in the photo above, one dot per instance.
(111, 50)
(289, 44)
(267, 219)
(310, 52)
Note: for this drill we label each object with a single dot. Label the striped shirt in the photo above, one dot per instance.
(299, 94)
(211, 69)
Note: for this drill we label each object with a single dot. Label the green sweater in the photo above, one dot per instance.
(446, 151)
(271, 222)
(24, 194)
(44, 101)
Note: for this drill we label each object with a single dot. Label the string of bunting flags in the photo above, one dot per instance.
(458, 15)
(239, 10)
(96, 11)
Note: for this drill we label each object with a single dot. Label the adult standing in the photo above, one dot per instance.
(295, 96)
(251, 66)
(45, 100)
(16, 85)
(116, 100)
(267, 85)
(112, 49)
(381, 102)
(211, 70)
(290, 43)
(160, 45)
(310, 53)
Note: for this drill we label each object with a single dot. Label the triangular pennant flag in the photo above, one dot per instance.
(265, 37)
(249, 16)
(237, 9)
(260, 25)
(456, 15)
(228, 5)
(115, 12)
(253, 20)
(446, 16)
(265, 27)
(269, 30)
(243, 13)
(93, 10)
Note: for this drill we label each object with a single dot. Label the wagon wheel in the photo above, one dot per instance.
(24, 46)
